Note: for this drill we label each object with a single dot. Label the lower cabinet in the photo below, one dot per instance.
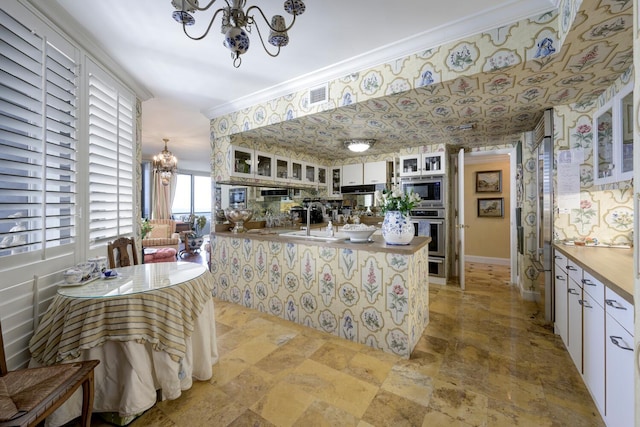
(593, 367)
(574, 296)
(560, 295)
(619, 385)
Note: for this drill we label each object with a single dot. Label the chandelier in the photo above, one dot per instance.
(165, 164)
(359, 145)
(236, 23)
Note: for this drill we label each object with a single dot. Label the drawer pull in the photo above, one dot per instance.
(613, 303)
(557, 257)
(584, 303)
(617, 340)
(560, 278)
(573, 291)
(588, 282)
(572, 268)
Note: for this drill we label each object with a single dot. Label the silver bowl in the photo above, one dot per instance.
(238, 217)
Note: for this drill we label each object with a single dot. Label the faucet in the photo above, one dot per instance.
(309, 215)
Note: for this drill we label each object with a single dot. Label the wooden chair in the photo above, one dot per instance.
(122, 250)
(28, 396)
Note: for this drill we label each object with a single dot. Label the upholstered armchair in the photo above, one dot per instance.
(162, 235)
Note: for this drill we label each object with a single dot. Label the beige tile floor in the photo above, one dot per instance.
(485, 359)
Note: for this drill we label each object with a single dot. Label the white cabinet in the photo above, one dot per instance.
(560, 298)
(336, 180)
(321, 178)
(248, 163)
(352, 174)
(309, 173)
(574, 296)
(296, 171)
(282, 169)
(594, 339)
(375, 172)
(424, 164)
(620, 398)
(613, 139)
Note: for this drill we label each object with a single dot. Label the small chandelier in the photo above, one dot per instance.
(165, 163)
(359, 145)
(236, 23)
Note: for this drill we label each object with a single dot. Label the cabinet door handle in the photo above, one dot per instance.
(588, 282)
(617, 340)
(572, 268)
(573, 291)
(614, 304)
(561, 278)
(557, 257)
(584, 303)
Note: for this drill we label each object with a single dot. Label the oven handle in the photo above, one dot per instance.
(438, 222)
(436, 261)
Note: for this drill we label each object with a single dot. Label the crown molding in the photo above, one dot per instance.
(487, 20)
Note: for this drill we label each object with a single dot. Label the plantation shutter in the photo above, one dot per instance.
(38, 111)
(110, 158)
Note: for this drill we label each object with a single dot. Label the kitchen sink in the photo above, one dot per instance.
(314, 235)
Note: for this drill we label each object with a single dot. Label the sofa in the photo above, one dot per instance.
(162, 235)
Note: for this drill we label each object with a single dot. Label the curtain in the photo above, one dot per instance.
(163, 196)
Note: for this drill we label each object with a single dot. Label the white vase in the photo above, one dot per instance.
(396, 228)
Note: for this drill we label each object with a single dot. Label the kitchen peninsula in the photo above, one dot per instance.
(371, 293)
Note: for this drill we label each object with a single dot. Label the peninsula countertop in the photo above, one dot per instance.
(377, 243)
(612, 266)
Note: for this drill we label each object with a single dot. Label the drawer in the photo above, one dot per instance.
(619, 309)
(560, 260)
(594, 288)
(575, 272)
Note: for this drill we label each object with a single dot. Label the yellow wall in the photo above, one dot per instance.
(486, 237)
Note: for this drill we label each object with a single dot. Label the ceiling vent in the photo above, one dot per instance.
(319, 94)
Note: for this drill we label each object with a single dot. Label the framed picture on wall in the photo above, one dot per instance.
(491, 208)
(489, 182)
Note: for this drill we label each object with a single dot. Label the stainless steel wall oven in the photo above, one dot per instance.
(431, 222)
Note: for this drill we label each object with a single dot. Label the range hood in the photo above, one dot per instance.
(274, 192)
(361, 189)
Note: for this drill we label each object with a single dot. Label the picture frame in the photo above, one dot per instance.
(491, 207)
(489, 181)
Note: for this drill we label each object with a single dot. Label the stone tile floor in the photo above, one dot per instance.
(485, 359)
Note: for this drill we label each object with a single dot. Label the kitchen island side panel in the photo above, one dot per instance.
(380, 299)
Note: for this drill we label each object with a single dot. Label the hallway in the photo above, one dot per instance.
(484, 360)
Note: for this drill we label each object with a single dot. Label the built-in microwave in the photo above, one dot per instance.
(430, 190)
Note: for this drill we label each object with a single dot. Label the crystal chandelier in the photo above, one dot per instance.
(359, 145)
(165, 163)
(236, 23)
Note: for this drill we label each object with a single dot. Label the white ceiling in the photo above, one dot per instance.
(189, 81)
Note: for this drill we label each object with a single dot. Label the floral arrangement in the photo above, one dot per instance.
(396, 200)
(145, 228)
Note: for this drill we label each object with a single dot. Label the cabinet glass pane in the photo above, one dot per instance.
(627, 133)
(410, 165)
(296, 171)
(322, 175)
(282, 168)
(432, 163)
(310, 173)
(242, 162)
(264, 166)
(604, 126)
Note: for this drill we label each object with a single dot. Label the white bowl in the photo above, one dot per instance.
(358, 233)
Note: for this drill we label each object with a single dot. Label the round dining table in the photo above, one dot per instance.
(152, 326)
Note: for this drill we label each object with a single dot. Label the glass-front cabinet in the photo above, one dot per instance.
(242, 161)
(613, 139)
(309, 173)
(322, 175)
(422, 164)
(264, 166)
(336, 180)
(282, 169)
(410, 165)
(295, 175)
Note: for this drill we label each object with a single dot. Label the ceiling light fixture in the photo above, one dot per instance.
(165, 163)
(359, 145)
(236, 23)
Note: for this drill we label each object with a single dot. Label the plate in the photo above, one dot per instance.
(113, 275)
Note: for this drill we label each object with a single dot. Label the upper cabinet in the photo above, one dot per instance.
(352, 174)
(248, 163)
(613, 139)
(282, 169)
(424, 164)
(376, 173)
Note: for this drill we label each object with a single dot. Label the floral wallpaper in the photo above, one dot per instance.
(379, 299)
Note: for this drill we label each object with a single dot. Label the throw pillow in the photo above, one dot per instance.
(160, 231)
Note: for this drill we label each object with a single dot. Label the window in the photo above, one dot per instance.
(38, 111)
(193, 196)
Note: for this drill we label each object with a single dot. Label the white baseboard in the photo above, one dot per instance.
(530, 295)
(437, 280)
(487, 260)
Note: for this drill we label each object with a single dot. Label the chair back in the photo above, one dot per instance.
(122, 252)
